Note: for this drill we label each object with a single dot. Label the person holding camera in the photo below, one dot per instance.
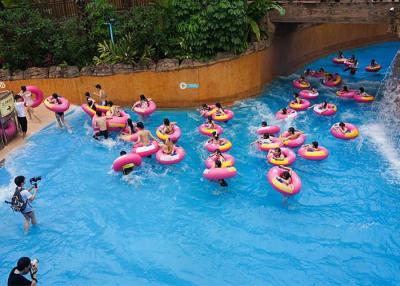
(24, 266)
(27, 196)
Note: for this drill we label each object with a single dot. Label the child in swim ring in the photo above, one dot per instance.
(292, 134)
(143, 102)
(216, 140)
(312, 147)
(168, 127)
(297, 98)
(222, 182)
(283, 111)
(362, 92)
(218, 156)
(220, 109)
(340, 55)
(128, 168)
(204, 109)
(341, 127)
(286, 177)
(373, 63)
(277, 154)
(168, 147)
(210, 123)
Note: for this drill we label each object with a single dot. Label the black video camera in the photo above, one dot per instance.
(34, 181)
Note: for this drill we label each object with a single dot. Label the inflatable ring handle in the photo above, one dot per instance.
(183, 85)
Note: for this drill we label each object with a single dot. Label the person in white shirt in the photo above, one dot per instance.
(27, 96)
(20, 109)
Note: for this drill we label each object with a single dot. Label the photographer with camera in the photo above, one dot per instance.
(24, 266)
(22, 199)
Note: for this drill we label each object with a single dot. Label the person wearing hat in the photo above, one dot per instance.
(24, 266)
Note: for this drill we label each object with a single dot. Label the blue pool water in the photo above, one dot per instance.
(167, 226)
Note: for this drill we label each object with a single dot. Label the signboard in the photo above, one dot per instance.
(6, 104)
(184, 85)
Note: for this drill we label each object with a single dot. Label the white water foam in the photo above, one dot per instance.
(384, 144)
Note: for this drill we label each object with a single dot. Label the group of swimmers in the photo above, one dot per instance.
(215, 139)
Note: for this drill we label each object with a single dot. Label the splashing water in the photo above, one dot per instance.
(166, 225)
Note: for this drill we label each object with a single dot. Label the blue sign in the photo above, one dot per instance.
(184, 85)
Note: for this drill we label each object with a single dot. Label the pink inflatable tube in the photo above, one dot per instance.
(37, 95)
(203, 129)
(10, 130)
(208, 113)
(339, 60)
(174, 136)
(373, 69)
(115, 123)
(329, 111)
(275, 143)
(294, 142)
(363, 98)
(223, 117)
(219, 173)
(226, 146)
(308, 94)
(317, 74)
(303, 105)
(145, 151)
(351, 134)
(289, 155)
(273, 176)
(297, 84)
(167, 159)
(332, 83)
(145, 111)
(291, 113)
(346, 94)
(128, 137)
(273, 129)
(57, 107)
(91, 112)
(121, 161)
(229, 161)
(317, 155)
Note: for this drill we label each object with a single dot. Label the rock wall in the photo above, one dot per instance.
(225, 79)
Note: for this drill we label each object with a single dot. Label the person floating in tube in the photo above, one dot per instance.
(168, 147)
(222, 182)
(341, 127)
(128, 168)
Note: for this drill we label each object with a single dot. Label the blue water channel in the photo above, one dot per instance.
(166, 225)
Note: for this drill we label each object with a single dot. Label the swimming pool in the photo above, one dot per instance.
(165, 225)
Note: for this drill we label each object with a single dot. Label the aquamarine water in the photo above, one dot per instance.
(165, 225)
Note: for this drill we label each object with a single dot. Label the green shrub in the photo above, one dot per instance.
(25, 38)
(197, 29)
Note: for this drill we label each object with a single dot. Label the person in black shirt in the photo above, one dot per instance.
(24, 266)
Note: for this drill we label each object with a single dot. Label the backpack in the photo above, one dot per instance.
(17, 203)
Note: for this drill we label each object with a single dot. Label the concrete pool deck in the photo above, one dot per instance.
(47, 117)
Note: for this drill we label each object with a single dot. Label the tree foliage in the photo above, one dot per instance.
(196, 29)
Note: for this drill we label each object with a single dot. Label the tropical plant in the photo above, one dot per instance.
(26, 38)
(256, 10)
(123, 52)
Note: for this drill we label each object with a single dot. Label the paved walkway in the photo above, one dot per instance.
(46, 117)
